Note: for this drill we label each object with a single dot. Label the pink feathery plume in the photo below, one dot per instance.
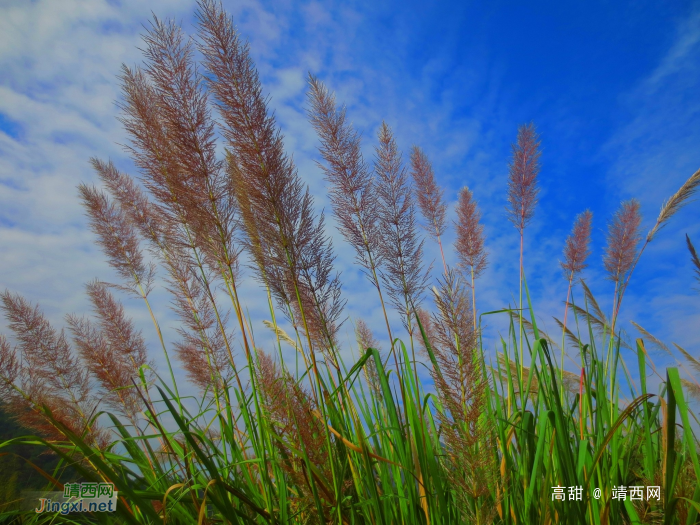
(365, 340)
(462, 389)
(112, 350)
(576, 250)
(119, 240)
(522, 182)
(469, 244)
(405, 274)
(351, 192)
(624, 235)
(48, 373)
(285, 236)
(429, 196)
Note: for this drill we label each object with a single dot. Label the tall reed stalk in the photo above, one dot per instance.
(576, 252)
(522, 199)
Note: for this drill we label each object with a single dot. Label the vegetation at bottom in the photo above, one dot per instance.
(16, 471)
(436, 429)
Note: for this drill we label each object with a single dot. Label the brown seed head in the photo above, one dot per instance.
(112, 350)
(143, 214)
(289, 408)
(365, 340)
(461, 388)
(429, 195)
(675, 203)
(351, 190)
(9, 370)
(203, 346)
(576, 250)
(623, 238)
(285, 237)
(49, 373)
(693, 257)
(405, 275)
(522, 182)
(117, 237)
(208, 203)
(426, 322)
(470, 235)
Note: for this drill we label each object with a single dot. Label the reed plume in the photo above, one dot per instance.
(523, 191)
(693, 257)
(165, 221)
(351, 193)
(530, 329)
(576, 251)
(208, 208)
(119, 240)
(13, 376)
(149, 145)
(693, 362)
(624, 235)
(172, 220)
(365, 339)
(669, 208)
(285, 237)
(183, 107)
(522, 182)
(205, 345)
(428, 326)
(282, 335)
(600, 326)
(674, 203)
(623, 238)
(573, 339)
(597, 317)
(49, 375)
(158, 221)
(166, 242)
(286, 454)
(462, 389)
(166, 114)
(570, 381)
(143, 214)
(290, 409)
(429, 196)
(9, 369)
(405, 276)
(594, 314)
(469, 244)
(354, 203)
(112, 350)
(692, 389)
(23, 396)
(592, 303)
(652, 339)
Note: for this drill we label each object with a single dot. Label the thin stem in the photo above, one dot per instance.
(520, 319)
(563, 333)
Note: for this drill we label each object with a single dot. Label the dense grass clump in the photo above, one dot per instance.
(367, 442)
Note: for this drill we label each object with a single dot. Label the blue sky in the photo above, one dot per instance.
(613, 88)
